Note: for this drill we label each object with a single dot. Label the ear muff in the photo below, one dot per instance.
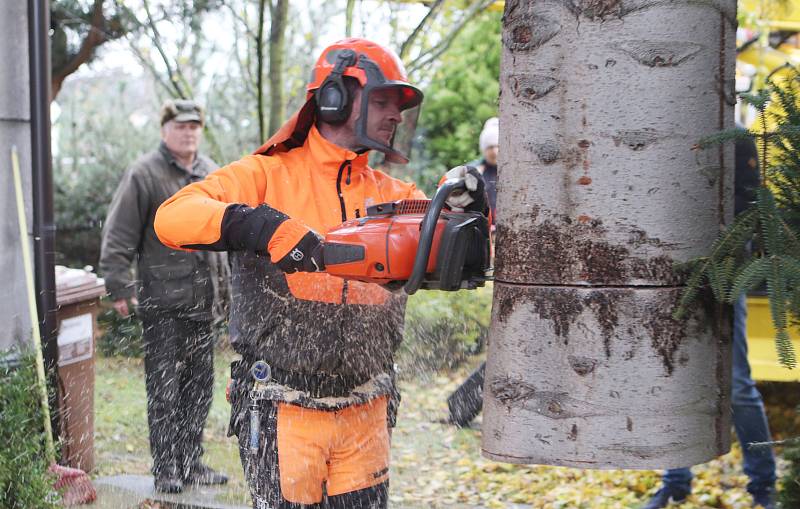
(333, 100)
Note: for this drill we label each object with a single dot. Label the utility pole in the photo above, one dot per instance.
(600, 193)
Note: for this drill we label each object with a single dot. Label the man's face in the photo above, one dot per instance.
(490, 154)
(383, 114)
(182, 138)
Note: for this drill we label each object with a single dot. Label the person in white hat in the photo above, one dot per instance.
(488, 143)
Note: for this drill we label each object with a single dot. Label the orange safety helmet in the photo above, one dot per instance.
(327, 98)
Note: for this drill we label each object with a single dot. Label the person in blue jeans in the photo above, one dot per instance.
(749, 417)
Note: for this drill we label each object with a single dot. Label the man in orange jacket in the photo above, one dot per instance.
(317, 427)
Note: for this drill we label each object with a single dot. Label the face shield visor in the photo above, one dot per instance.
(409, 96)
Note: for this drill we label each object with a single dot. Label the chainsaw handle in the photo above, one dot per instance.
(427, 229)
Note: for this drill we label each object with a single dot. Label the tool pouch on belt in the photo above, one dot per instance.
(315, 386)
(318, 385)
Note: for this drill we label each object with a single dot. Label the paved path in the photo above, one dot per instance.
(129, 491)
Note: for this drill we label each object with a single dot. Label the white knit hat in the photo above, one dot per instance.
(490, 134)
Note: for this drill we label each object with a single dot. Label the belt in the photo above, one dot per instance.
(317, 385)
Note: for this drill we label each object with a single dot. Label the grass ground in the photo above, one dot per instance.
(433, 465)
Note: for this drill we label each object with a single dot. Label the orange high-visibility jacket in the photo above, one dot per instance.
(307, 323)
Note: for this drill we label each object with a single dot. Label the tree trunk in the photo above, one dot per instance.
(599, 194)
(280, 12)
(260, 69)
(348, 18)
(94, 38)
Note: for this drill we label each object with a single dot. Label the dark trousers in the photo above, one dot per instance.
(749, 418)
(466, 402)
(179, 376)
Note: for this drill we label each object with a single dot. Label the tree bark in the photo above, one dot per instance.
(599, 194)
(348, 18)
(280, 12)
(260, 68)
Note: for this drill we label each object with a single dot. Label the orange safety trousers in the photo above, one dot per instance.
(307, 454)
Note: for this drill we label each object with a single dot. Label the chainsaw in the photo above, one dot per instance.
(413, 243)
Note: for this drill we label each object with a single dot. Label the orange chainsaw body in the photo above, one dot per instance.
(382, 247)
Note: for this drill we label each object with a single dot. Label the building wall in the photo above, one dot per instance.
(14, 131)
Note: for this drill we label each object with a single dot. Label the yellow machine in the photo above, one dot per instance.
(761, 344)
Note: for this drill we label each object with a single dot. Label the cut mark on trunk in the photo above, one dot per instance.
(584, 181)
(547, 152)
(582, 365)
(596, 9)
(528, 32)
(646, 451)
(660, 53)
(559, 405)
(629, 423)
(636, 139)
(514, 392)
(511, 391)
(527, 88)
(573, 433)
(510, 11)
(601, 10)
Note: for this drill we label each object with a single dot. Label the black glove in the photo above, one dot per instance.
(254, 229)
(305, 256)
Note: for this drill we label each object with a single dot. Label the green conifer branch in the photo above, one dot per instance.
(773, 223)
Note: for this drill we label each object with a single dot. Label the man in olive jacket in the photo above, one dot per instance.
(179, 296)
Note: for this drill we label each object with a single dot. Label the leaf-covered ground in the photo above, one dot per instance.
(433, 465)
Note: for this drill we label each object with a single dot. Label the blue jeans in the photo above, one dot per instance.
(749, 418)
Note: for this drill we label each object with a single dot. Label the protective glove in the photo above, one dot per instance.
(474, 198)
(290, 244)
(305, 256)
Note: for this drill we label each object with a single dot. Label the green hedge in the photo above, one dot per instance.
(441, 330)
(24, 480)
(121, 336)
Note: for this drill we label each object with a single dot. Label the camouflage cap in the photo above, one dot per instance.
(182, 110)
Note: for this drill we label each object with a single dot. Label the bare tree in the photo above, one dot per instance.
(183, 19)
(600, 193)
(426, 55)
(262, 4)
(78, 29)
(348, 24)
(277, 48)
